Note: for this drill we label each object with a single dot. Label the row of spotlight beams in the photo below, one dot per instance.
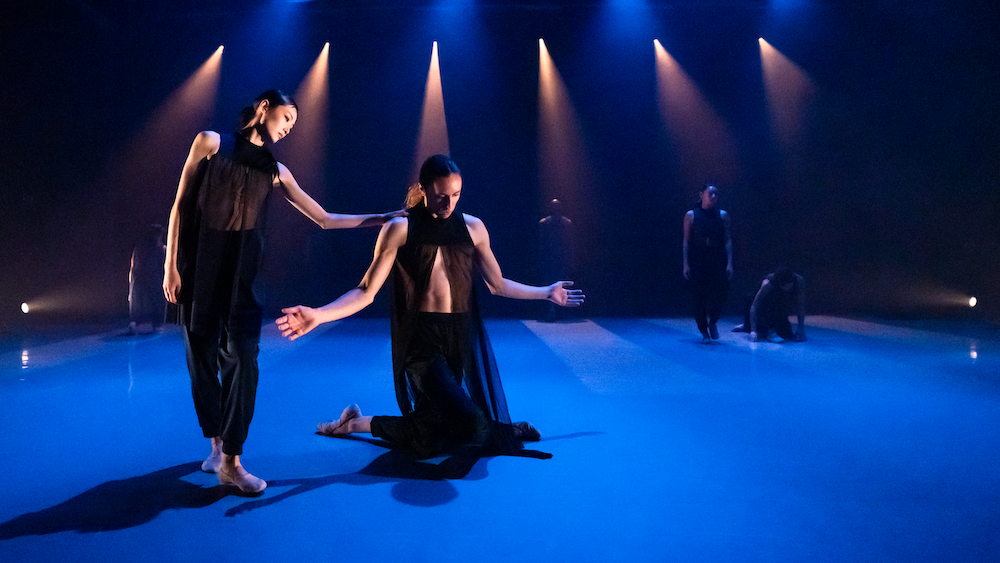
(433, 131)
(764, 45)
(213, 61)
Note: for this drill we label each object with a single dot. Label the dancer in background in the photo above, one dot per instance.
(214, 248)
(708, 260)
(145, 275)
(447, 384)
(557, 248)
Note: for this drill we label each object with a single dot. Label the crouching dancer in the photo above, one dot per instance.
(447, 384)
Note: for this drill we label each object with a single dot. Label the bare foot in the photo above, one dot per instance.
(231, 472)
(341, 426)
(214, 461)
(525, 432)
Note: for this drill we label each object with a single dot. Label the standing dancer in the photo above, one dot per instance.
(447, 384)
(214, 250)
(145, 297)
(708, 260)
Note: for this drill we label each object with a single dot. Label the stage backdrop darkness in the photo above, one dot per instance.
(888, 204)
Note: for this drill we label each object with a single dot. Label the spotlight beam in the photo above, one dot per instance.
(565, 173)
(706, 148)
(433, 136)
(788, 88)
(169, 131)
(306, 149)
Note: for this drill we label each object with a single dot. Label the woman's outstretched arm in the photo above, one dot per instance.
(299, 320)
(308, 206)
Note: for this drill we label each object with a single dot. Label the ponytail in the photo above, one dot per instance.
(414, 196)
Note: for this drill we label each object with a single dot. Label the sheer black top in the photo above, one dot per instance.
(221, 238)
(410, 279)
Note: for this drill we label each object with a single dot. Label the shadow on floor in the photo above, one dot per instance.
(128, 503)
(418, 482)
(117, 505)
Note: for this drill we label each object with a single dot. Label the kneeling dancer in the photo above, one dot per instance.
(446, 380)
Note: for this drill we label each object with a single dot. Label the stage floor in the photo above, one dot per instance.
(870, 442)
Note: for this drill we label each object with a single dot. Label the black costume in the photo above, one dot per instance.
(447, 384)
(221, 302)
(707, 259)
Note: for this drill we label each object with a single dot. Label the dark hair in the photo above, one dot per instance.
(784, 276)
(274, 98)
(697, 201)
(435, 167)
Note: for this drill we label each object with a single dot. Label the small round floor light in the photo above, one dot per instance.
(25, 308)
(973, 301)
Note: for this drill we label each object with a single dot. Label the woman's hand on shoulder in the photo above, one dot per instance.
(386, 217)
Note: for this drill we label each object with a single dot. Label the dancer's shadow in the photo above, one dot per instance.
(127, 503)
(418, 482)
(117, 505)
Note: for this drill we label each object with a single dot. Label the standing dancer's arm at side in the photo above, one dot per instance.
(688, 219)
(204, 146)
(729, 244)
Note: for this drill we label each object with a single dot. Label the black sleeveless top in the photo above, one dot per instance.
(415, 259)
(707, 239)
(221, 238)
(410, 280)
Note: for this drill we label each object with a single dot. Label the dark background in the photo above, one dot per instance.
(888, 207)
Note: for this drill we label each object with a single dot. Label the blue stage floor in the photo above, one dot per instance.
(870, 442)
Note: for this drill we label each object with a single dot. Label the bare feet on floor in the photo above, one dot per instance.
(525, 432)
(231, 472)
(341, 426)
(214, 461)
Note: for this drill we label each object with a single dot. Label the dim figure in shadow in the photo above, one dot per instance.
(146, 304)
(781, 294)
(214, 252)
(708, 260)
(556, 238)
(447, 384)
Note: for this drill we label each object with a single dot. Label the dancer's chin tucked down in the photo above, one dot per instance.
(447, 383)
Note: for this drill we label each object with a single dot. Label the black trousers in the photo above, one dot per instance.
(709, 293)
(443, 415)
(224, 375)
